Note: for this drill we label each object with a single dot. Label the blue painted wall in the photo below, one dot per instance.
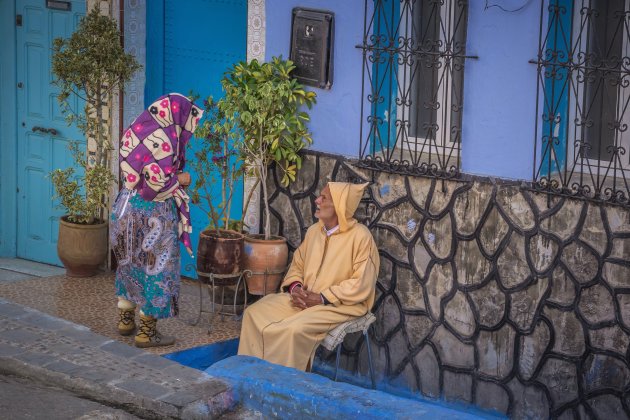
(154, 70)
(335, 119)
(499, 87)
(8, 155)
(500, 91)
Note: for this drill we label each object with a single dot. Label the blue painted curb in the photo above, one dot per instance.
(284, 392)
(204, 356)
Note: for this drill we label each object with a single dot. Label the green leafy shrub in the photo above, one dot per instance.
(261, 107)
(90, 65)
(215, 161)
(82, 196)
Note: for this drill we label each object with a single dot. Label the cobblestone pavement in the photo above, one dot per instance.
(27, 399)
(92, 302)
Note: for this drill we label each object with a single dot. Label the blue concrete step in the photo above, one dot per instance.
(278, 391)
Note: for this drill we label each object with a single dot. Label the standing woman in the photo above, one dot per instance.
(151, 216)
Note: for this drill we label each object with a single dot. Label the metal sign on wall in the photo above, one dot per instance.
(312, 33)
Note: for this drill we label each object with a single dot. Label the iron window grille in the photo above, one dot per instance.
(582, 107)
(412, 93)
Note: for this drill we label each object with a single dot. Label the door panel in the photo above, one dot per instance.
(39, 152)
(215, 37)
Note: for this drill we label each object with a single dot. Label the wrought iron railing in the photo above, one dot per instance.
(582, 111)
(413, 67)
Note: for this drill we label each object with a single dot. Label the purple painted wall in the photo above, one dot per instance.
(500, 90)
(336, 117)
(499, 86)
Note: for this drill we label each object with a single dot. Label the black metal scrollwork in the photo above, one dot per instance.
(584, 90)
(411, 119)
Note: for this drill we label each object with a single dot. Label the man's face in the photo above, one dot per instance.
(325, 209)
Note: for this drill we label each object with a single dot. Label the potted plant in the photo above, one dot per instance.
(215, 163)
(262, 105)
(90, 65)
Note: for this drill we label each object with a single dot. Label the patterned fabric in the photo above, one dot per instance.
(152, 151)
(143, 236)
(336, 335)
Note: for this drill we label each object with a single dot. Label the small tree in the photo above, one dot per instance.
(91, 64)
(261, 105)
(215, 162)
(82, 196)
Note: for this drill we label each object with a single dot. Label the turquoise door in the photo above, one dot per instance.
(201, 39)
(42, 134)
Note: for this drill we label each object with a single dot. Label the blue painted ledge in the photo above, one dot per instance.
(284, 392)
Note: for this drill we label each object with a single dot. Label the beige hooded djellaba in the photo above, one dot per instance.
(343, 267)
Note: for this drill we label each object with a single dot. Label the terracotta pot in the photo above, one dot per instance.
(265, 256)
(82, 248)
(219, 253)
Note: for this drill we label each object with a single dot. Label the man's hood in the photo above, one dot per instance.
(346, 198)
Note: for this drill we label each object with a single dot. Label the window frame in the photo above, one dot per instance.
(390, 51)
(565, 64)
(442, 144)
(581, 92)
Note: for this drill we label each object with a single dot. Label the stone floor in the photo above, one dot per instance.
(91, 302)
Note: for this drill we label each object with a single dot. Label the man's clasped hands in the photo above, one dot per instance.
(303, 298)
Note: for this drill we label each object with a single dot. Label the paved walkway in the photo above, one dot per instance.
(60, 353)
(92, 302)
(84, 354)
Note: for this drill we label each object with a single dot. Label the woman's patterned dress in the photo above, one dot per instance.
(144, 238)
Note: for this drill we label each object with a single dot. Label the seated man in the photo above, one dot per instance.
(331, 280)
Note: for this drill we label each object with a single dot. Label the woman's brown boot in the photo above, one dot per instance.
(126, 321)
(148, 335)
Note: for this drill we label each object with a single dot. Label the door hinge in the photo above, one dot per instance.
(18, 20)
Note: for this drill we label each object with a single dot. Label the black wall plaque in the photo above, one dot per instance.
(312, 33)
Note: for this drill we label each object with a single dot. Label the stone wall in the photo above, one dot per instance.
(488, 293)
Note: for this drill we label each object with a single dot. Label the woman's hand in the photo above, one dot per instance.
(183, 178)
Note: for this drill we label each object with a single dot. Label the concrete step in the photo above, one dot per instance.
(278, 391)
(59, 353)
(30, 268)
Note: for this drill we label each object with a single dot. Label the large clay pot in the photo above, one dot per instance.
(219, 252)
(265, 256)
(82, 248)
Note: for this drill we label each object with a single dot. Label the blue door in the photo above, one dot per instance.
(201, 39)
(42, 134)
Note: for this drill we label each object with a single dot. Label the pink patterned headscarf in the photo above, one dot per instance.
(153, 150)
